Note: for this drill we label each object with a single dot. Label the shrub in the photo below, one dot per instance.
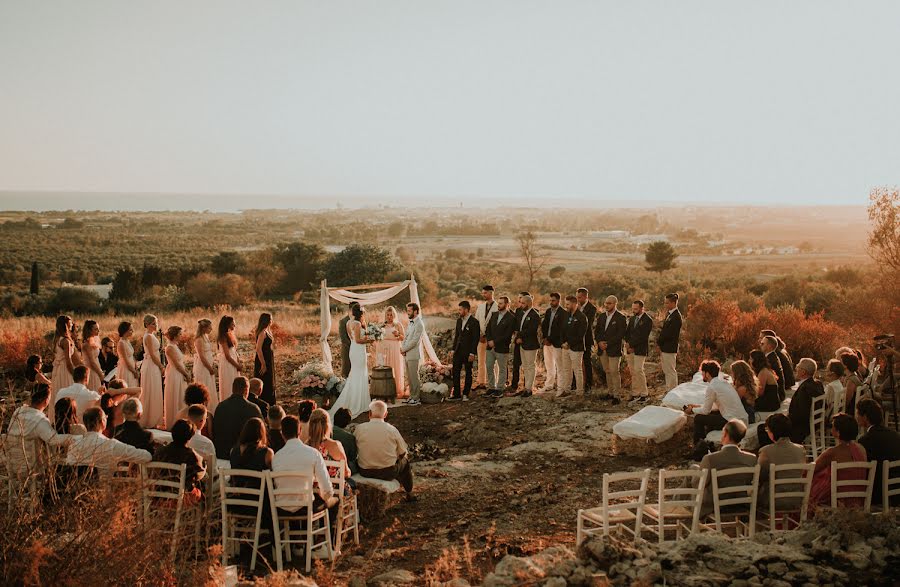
(557, 272)
(74, 300)
(359, 264)
(208, 290)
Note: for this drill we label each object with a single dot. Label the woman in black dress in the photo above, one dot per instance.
(264, 361)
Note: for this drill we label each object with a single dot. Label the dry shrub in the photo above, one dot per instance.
(17, 344)
(454, 563)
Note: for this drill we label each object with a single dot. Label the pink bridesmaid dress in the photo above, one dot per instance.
(61, 377)
(175, 385)
(90, 353)
(227, 371)
(126, 357)
(151, 385)
(201, 373)
(387, 352)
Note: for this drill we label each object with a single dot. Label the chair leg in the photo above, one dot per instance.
(578, 530)
(279, 561)
(287, 534)
(309, 543)
(328, 537)
(339, 529)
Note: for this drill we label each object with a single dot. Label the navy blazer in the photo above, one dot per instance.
(638, 335)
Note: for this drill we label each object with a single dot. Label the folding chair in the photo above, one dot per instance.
(680, 499)
(293, 502)
(242, 510)
(619, 508)
(815, 443)
(162, 490)
(731, 502)
(853, 488)
(789, 487)
(348, 509)
(890, 486)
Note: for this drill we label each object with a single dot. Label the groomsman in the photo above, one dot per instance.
(590, 312)
(609, 333)
(576, 324)
(483, 314)
(517, 349)
(551, 329)
(527, 342)
(345, 340)
(499, 334)
(637, 342)
(465, 348)
(668, 339)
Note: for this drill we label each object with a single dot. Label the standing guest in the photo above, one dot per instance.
(483, 313)
(332, 450)
(769, 346)
(637, 341)
(609, 332)
(667, 340)
(178, 452)
(63, 367)
(197, 415)
(784, 358)
(342, 419)
(256, 388)
(274, 418)
(95, 450)
(177, 377)
(204, 362)
(304, 410)
(231, 415)
(573, 338)
(151, 376)
(127, 368)
(90, 351)
(28, 427)
(130, 430)
(881, 443)
(845, 430)
(297, 456)
(499, 335)
(590, 312)
(34, 372)
(197, 393)
(781, 452)
(410, 348)
(84, 398)
(345, 340)
(264, 361)
(852, 380)
(551, 329)
(66, 417)
(746, 384)
(251, 451)
(720, 404)
(465, 349)
(107, 357)
(527, 341)
(767, 400)
(517, 347)
(730, 456)
(834, 386)
(388, 349)
(229, 364)
(382, 451)
(801, 404)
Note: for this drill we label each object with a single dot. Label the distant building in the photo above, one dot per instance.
(102, 290)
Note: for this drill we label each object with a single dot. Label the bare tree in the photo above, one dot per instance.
(532, 252)
(884, 236)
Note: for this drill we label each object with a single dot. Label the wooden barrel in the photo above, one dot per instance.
(382, 386)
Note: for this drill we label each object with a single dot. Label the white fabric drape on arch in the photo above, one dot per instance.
(376, 297)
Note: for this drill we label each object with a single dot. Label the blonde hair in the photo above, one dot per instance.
(319, 427)
(394, 311)
(202, 324)
(149, 319)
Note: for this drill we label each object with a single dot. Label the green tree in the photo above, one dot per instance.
(75, 300)
(660, 256)
(359, 264)
(126, 285)
(557, 272)
(228, 262)
(35, 279)
(302, 264)
(209, 290)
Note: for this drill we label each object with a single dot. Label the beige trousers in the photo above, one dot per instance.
(668, 367)
(613, 377)
(571, 363)
(552, 360)
(481, 378)
(638, 378)
(529, 365)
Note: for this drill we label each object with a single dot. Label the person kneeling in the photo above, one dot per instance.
(382, 451)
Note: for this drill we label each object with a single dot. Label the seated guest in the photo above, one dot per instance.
(845, 430)
(276, 440)
(342, 419)
(196, 414)
(256, 387)
(27, 427)
(801, 403)
(304, 410)
(232, 414)
(67, 418)
(84, 398)
(781, 452)
(320, 439)
(721, 404)
(95, 450)
(296, 456)
(130, 431)
(178, 452)
(881, 443)
(197, 393)
(730, 456)
(746, 384)
(852, 380)
(34, 371)
(767, 399)
(251, 451)
(834, 386)
(382, 450)
(107, 356)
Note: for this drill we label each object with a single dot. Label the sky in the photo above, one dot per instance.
(299, 103)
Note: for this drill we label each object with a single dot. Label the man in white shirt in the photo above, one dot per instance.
(95, 450)
(28, 430)
(84, 397)
(204, 446)
(382, 450)
(483, 314)
(721, 404)
(299, 457)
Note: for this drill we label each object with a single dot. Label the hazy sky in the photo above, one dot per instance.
(712, 101)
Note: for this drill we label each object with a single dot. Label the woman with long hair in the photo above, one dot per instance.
(178, 452)
(90, 351)
(767, 390)
(204, 365)
(34, 372)
(852, 380)
(177, 377)
(747, 386)
(65, 419)
(151, 376)
(127, 368)
(229, 364)
(355, 395)
(264, 361)
(63, 348)
(844, 429)
(331, 450)
(387, 350)
(252, 450)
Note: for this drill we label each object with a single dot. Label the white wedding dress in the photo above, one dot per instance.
(355, 395)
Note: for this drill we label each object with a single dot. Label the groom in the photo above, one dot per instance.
(409, 348)
(345, 340)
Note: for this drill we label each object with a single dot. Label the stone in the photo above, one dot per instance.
(392, 577)
(555, 582)
(777, 569)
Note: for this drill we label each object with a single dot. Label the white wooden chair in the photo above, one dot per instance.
(889, 487)
(162, 490)
(680, 499)
(788, 496)
(815, 442)
(294, 504)
(348, 509)
(618, 509)
(242, 510)
(852, 488)
(213, 503)
(733, 502)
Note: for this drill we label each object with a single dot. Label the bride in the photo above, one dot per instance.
(355, 395)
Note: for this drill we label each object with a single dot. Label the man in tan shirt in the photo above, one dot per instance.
(382, 450)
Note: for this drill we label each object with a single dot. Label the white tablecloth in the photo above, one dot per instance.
(651, 423)
(686, 393)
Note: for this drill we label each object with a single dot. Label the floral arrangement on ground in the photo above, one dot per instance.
(431, 372)
(317, 378)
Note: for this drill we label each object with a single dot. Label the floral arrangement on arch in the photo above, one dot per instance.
(316, 378)
(431, 372)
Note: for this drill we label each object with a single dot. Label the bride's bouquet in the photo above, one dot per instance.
(375, 332)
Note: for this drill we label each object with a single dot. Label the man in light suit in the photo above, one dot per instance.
(483, 314)
(410, 349)
(729, 457)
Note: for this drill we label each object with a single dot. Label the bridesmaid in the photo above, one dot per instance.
(177, 377)
(388, 349)
(127, 369)
(90, 350)
(204, 368)
(151, 376)
(229, 365)
(63, 348)
(264, 362)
